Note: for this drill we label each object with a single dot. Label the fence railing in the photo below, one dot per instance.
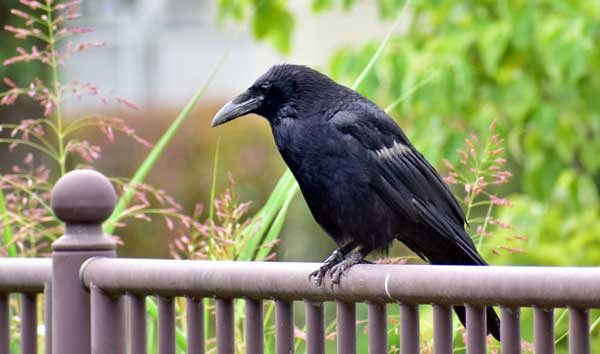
(86, 308)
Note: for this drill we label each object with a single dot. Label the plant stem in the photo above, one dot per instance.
(56, 88)
(211, 209)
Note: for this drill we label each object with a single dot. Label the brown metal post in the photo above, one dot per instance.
(409, 329)
(225, 326)
(137, 324)
(82, 199)
(543, 330)
(442, 329)
(579, 330)
(4, 324)
(510, 327)
(48, 318)
(28, 323)
(476, 329)
(315, 328)
(377, 327)
(255, 343)
(108, 323)
(346, 327)
(195, 325)
(284, 327)
(166, 325)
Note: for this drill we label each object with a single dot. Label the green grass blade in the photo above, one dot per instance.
(213, 187)
(277, 224)
(264, 218)
(406, 94)
(213, 192)
(156, 152)
(7, 234)
(381, 47)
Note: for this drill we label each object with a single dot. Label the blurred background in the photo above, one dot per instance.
(452, 74)
(533, 66)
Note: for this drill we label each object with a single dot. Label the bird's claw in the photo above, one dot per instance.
(341, 268)
(336, 273)
(317, 276)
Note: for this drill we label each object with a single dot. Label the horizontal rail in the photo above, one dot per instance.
(25, 275)
(411, 284)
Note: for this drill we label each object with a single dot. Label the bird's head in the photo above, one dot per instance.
(273, 91)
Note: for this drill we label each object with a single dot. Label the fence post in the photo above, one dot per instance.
(82, 199)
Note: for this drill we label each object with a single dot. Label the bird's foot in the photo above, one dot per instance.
(334, 258)
(340, 269)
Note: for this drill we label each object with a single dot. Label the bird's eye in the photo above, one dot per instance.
(265, 86)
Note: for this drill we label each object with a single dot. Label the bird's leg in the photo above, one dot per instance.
(334, 258)
(340, 269)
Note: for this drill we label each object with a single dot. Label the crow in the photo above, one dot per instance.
(364, 182)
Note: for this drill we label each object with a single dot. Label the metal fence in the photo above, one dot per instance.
(86, 308)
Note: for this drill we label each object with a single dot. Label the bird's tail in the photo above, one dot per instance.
(493, 322)
(469, 256)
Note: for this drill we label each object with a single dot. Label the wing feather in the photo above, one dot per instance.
(408, 183)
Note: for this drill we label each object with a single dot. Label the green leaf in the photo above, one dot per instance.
(321, 5)
(492, 43)
(230, 9)
(273, 21)
(7, 235)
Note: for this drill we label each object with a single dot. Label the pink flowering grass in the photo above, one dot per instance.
(221, 238)
(480, 172)
(55, 145)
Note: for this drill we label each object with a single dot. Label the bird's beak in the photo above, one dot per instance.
(239, 106)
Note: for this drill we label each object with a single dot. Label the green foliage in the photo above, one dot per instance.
(270, 20)
(534, 67)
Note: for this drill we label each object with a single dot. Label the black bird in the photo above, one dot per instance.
(364, 182)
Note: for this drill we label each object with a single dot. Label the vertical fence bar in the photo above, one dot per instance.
(442, 329)
(579, 331)
(137, 324)
(377, 327)
(108, 323)
(28, 323)
(346, 327)
(315, 328)
(543, 330)
(48, 318)
(510, 328)
(284, 327)
(166, 325)
(409, 329)
(82, 199)
(254, 327)
(4, 324)
(476, 329)
(225, 326)
(195, 325)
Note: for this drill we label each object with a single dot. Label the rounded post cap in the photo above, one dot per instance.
(83, 197)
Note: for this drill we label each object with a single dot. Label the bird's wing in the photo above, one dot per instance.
(408, 182)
